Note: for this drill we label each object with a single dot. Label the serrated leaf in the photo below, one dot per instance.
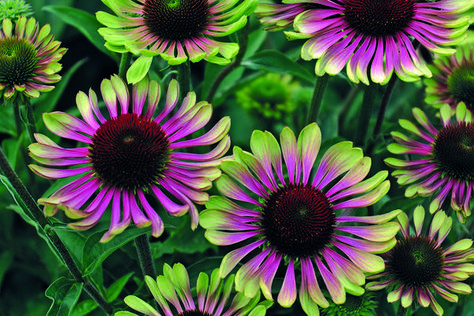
(114, 290)
(85, 23)
(64, 293)
(277, 62)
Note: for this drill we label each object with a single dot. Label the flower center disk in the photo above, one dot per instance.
(379, 17)
(176, 20)
(298, 220)
(416, 261)
(17, 60)
(454, 150)
(129, 152)
(461, 84)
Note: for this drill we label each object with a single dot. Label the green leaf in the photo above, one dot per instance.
(84, 308)
(277, 62)
(22, 210)
(95, 252)
(85, 22)
(114, 290)
(182, 239)
(65, 294)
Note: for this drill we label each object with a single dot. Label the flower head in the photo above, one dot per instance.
(176, 30)
(443, 165)
(13, 9)
(290, 218)
(28, 59)
(418, 266)
(130, 155)
(213, 296)
(377, 36)
(453, 79)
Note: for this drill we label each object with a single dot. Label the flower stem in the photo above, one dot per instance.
(144, 255)
(381, 114)
(244, 37)
(124, 64)
(316, 100)
(184, 78)
(30, 121)
(34, 212)
(365, 114)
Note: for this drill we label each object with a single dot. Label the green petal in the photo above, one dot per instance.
(418, 218)
(398, 149)
(407, 299)
(437, 222)
(445, 112)
(460, 287)
(7, 27)
(460, 245)
(394, 296)
(166, 288)
(139, 69)
(402, 219)
(215, 284)
(141, 306)
(309, 142)
(110, 20)
(309, 306)
(201, 285)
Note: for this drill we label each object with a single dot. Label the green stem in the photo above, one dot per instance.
(383, 104)
(18, 126)
(316, 100)
(365, 114)
(35, 213)
(243, 43)
(30, 121)
(144, 256)
(184, 78)
(124, 64)
(16, 113)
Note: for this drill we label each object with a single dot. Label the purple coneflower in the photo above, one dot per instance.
(442, 159)
(176, 30)
(129, 155)
(213, 296)
(378, 36)
(418, 267)
(453, 79)
(28, 59)
(300, 216)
